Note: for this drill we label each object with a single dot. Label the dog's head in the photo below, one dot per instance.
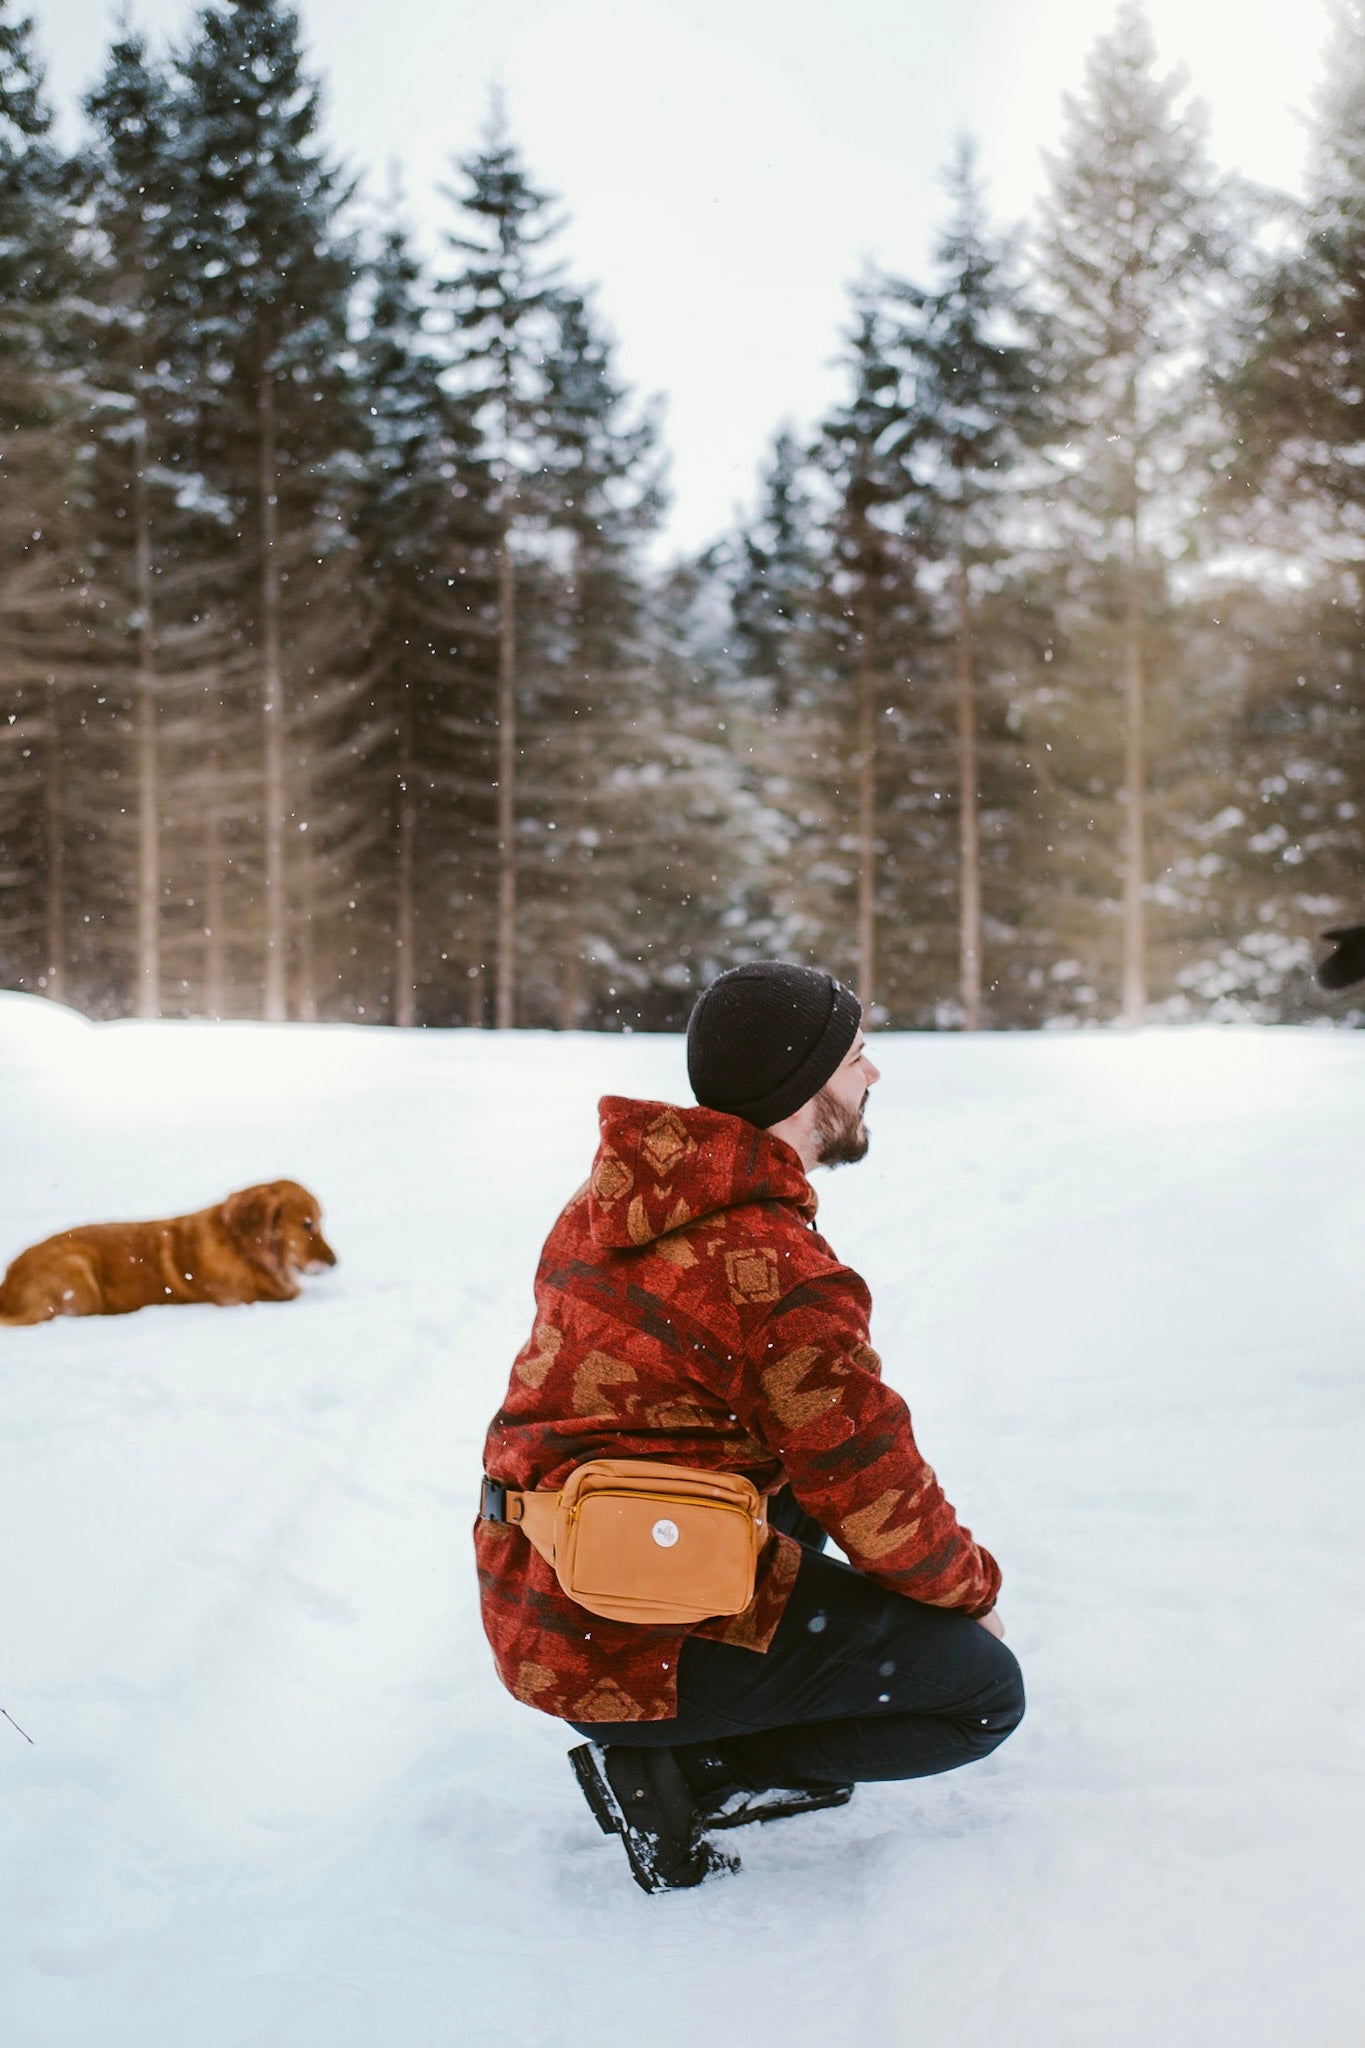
(279, 1226)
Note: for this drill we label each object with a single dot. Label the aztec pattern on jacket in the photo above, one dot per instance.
(687, 1310)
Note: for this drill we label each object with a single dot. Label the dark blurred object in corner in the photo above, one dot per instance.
(1346, 962)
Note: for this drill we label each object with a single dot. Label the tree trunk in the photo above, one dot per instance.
(571, 981)
(272, 706)
(54, 980)
(214, 976)
(505, 1001)
(305, 966)
(1135, 800)
(148, 994)
(969, 823)
(573, 816)
(477, 998)
(867, 816)
(404, 938)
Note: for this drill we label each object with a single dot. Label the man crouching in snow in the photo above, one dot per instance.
(687, 1311)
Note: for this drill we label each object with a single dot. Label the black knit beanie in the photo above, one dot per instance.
(764, 1038)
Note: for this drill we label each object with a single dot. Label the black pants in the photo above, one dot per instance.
(858, 1683)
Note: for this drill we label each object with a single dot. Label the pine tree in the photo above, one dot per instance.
(425, 526)
(596, 725)
(261, 298)
(1291, 845)
(1302, 405)
(41, 588)
(130, 529)
(781, 697)
(874, 619)
(688, 834)
(1130, 242)
(577, 489)
(503, 301)
(775, 584)
(977, 401)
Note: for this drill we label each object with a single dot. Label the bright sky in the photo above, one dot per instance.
(729, 165)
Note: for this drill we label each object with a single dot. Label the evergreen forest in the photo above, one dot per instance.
(339, 677)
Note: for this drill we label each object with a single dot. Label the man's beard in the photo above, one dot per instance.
(840, 1133)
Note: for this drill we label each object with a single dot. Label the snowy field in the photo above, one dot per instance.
(276, 1797)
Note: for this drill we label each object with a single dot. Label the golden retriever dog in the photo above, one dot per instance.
(251, 1247)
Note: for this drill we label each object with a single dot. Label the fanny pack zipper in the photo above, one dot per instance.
(671, 1500)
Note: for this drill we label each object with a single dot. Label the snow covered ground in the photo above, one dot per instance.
(276, 1798)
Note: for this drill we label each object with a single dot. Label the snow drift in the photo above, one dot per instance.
(275, 1794)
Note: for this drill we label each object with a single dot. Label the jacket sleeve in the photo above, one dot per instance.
(810, 1390)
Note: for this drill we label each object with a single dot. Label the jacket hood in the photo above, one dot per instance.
(659, 1167)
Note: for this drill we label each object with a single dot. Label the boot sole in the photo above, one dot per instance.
(816, 1800)
(592, 1783)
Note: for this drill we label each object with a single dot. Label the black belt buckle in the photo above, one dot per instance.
(493, 1501)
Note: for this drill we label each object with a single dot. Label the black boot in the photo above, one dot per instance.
(642, 1796)
(722, 1803)
(737, 1807)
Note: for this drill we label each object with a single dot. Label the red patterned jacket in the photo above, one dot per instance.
(686, 1309)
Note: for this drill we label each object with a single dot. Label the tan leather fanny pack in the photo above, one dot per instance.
(635, 1541)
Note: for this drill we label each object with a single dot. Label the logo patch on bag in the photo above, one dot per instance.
(665, 1534)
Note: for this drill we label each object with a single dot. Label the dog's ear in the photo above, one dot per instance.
(1345, 965)
(251, 1217)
